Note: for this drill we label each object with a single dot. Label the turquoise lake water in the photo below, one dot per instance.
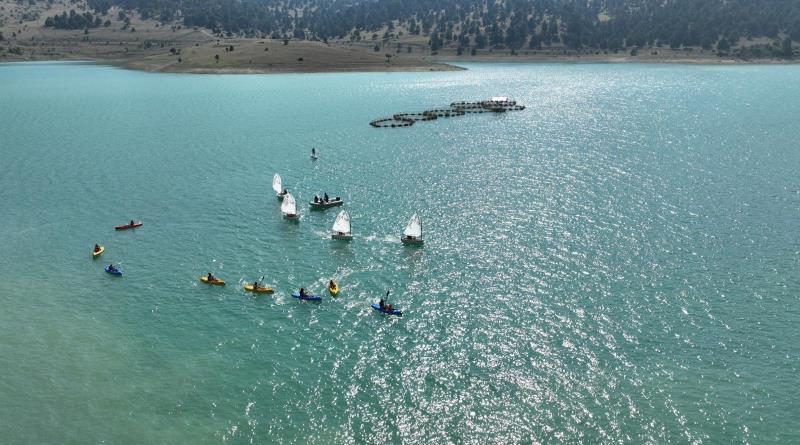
(618, 263)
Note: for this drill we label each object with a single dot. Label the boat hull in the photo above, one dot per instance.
(395, 312)
(129, 226)
(259, 290)
(342, 237)
(325, 205)
(216, 282)
(307, 297)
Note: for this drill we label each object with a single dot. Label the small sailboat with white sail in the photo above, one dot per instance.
(277, 185)
(289, 207)
(342, 228)
(412, 234)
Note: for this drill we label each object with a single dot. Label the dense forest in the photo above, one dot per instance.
(74, 20)
(509, 24)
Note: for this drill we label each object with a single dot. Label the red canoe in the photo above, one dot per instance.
(129, 226)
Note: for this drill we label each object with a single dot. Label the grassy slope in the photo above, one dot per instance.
(197, 48)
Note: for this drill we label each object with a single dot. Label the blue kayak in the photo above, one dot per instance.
(377, 307)
(307, 297)
(117, 272)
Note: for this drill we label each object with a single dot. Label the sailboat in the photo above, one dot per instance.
(289, 207)
(412, 234)
(341, 227)
(277, 185)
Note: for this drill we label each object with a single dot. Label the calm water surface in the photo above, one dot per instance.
(619, 263)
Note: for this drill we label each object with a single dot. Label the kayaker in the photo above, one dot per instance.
(313, 152)
(331, 284)
(302, 292)
(111, 268)
(211, 277)
(131, 222)
(96, 248)
(255, 285)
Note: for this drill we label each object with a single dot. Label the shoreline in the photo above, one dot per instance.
(615, 59)
(437, 64)
(312, 69)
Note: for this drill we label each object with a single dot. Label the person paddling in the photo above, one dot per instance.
(302, 292)
(382, 304)
(96, 248)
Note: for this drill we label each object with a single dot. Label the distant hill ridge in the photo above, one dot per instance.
(466, 24)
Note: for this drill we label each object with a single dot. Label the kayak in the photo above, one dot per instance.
(377, 307)
(334, 290)
(307, 297)
(216, 282)
(117, 272)
(129, 226)
(263, 290)
(96, 254)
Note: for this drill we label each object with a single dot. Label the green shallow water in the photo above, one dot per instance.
(620, 262)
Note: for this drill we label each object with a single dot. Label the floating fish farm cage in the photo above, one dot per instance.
(493, 105)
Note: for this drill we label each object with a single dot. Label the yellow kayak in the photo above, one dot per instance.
(333, 289)
(263, 290)
(96, 254)
(216, 282)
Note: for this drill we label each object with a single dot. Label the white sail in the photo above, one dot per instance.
(342, 223)
(289, 206)
(414, 227)
(277, 184)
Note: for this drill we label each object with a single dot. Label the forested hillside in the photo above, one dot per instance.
(508, 24)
